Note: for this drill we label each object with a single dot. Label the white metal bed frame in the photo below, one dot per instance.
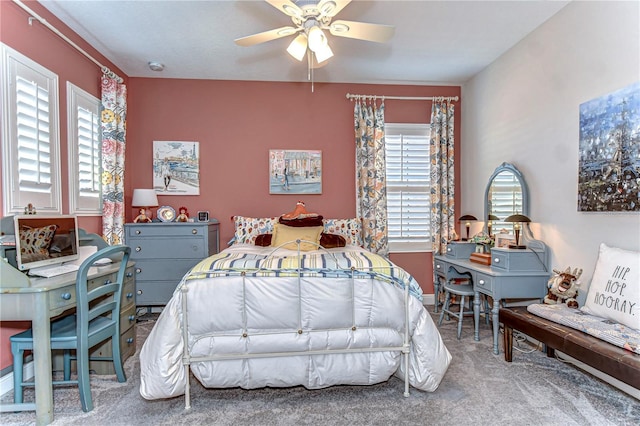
(353, 273)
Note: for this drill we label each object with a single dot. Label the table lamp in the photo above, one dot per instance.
(517, 220)
(467, 219)
(490, 220)
(144, 199)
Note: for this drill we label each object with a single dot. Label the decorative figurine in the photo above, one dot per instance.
(142, 217)
(183, 216)
(30, 209)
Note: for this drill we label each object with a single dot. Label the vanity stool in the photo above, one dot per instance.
(464, 291)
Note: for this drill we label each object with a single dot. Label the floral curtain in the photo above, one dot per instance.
(442, 174)
(371, 189)
(113, 127)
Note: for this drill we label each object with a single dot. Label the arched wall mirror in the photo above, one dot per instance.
(506, 194)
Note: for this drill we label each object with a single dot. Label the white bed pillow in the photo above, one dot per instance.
(614, 292)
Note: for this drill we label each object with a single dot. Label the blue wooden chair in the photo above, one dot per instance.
(97, 319)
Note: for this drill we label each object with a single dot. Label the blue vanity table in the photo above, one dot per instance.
(513, 274)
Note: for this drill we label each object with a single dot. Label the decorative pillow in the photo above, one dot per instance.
(37, 240)
(305, 221)
(350, 229)
(248, 228)
(310, 236)
(263, 240)
(332, 240)
(614, 292)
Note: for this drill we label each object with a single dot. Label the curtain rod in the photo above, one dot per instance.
(44, 22)
(351, 96)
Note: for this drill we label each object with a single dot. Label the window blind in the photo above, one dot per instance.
(408, 181)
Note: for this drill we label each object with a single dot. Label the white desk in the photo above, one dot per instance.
(500, 284)
(38, 300)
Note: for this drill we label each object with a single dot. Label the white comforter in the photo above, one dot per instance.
(261, 312)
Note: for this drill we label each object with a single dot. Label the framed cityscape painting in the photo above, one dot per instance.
(609, 157)
(295, 172)
(176, 168)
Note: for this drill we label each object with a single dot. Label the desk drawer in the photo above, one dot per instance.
(459, 250)
(440, 268)
(127, 318)
(484, 282)
(62, 298)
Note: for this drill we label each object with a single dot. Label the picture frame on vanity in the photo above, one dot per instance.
(503, 240)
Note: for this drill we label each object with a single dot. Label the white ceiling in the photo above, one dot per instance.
(436, 42)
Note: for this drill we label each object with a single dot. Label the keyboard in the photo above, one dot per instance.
(53, 270)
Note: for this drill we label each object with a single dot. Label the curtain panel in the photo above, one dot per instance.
(371, 189)
(113, 112)
(442, 174)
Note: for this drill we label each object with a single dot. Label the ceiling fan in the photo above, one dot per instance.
(311, 18)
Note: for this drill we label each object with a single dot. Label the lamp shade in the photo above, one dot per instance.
(517, 218)
(144, 198)
(493, 217)
(298, 47)
(467, 217)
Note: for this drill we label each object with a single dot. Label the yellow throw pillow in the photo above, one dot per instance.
(289, 234)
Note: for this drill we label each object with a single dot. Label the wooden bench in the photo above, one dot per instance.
(605, 357)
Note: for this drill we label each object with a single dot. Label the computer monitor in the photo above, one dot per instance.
(45, 240)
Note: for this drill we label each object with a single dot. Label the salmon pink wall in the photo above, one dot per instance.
(44, 47)
(237, 122)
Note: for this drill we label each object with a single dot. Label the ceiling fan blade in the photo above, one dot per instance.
(362, 31)
(265, 36)
(288, 7)
(331, 8)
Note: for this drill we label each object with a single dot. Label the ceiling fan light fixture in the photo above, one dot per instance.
(323, 53)
(317, 38)
(298, 47)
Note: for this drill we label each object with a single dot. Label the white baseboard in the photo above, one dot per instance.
(6, 381)
(428, 299)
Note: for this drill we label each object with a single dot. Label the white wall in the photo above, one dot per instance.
(524, 109)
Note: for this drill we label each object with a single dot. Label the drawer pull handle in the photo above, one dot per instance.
(138, 270)
(449, 249)
(129, 274)
(496, 260)
(139, 292)
(194, 231)
(129, 295)
(66, 296)
(107, 282)
(138, 249)
(481, 282)
(130, 340)
(437, 266)
(138, 232)
(132, 318)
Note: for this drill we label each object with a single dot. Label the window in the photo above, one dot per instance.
(85, 196)
(30, 149)
(408, 182)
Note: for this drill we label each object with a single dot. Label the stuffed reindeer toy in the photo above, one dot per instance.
(563, 287)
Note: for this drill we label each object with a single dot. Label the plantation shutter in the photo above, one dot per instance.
(31, 151)
(408, 198)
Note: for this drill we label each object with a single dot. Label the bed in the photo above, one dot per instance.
(290, 315)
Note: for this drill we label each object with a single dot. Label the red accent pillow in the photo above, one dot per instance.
(302, 222)
(326, 240)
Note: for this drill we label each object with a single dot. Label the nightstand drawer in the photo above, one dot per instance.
(168, 248)
(163, 269)
(154, 292)
(172, 230)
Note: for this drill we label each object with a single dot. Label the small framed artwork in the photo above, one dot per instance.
(503, 240)
(203, 216)
(295, 172)
(176, 169)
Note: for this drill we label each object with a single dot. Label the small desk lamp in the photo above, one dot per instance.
(517, 219)
(467, 219)
(490, 220)
(143, 199)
